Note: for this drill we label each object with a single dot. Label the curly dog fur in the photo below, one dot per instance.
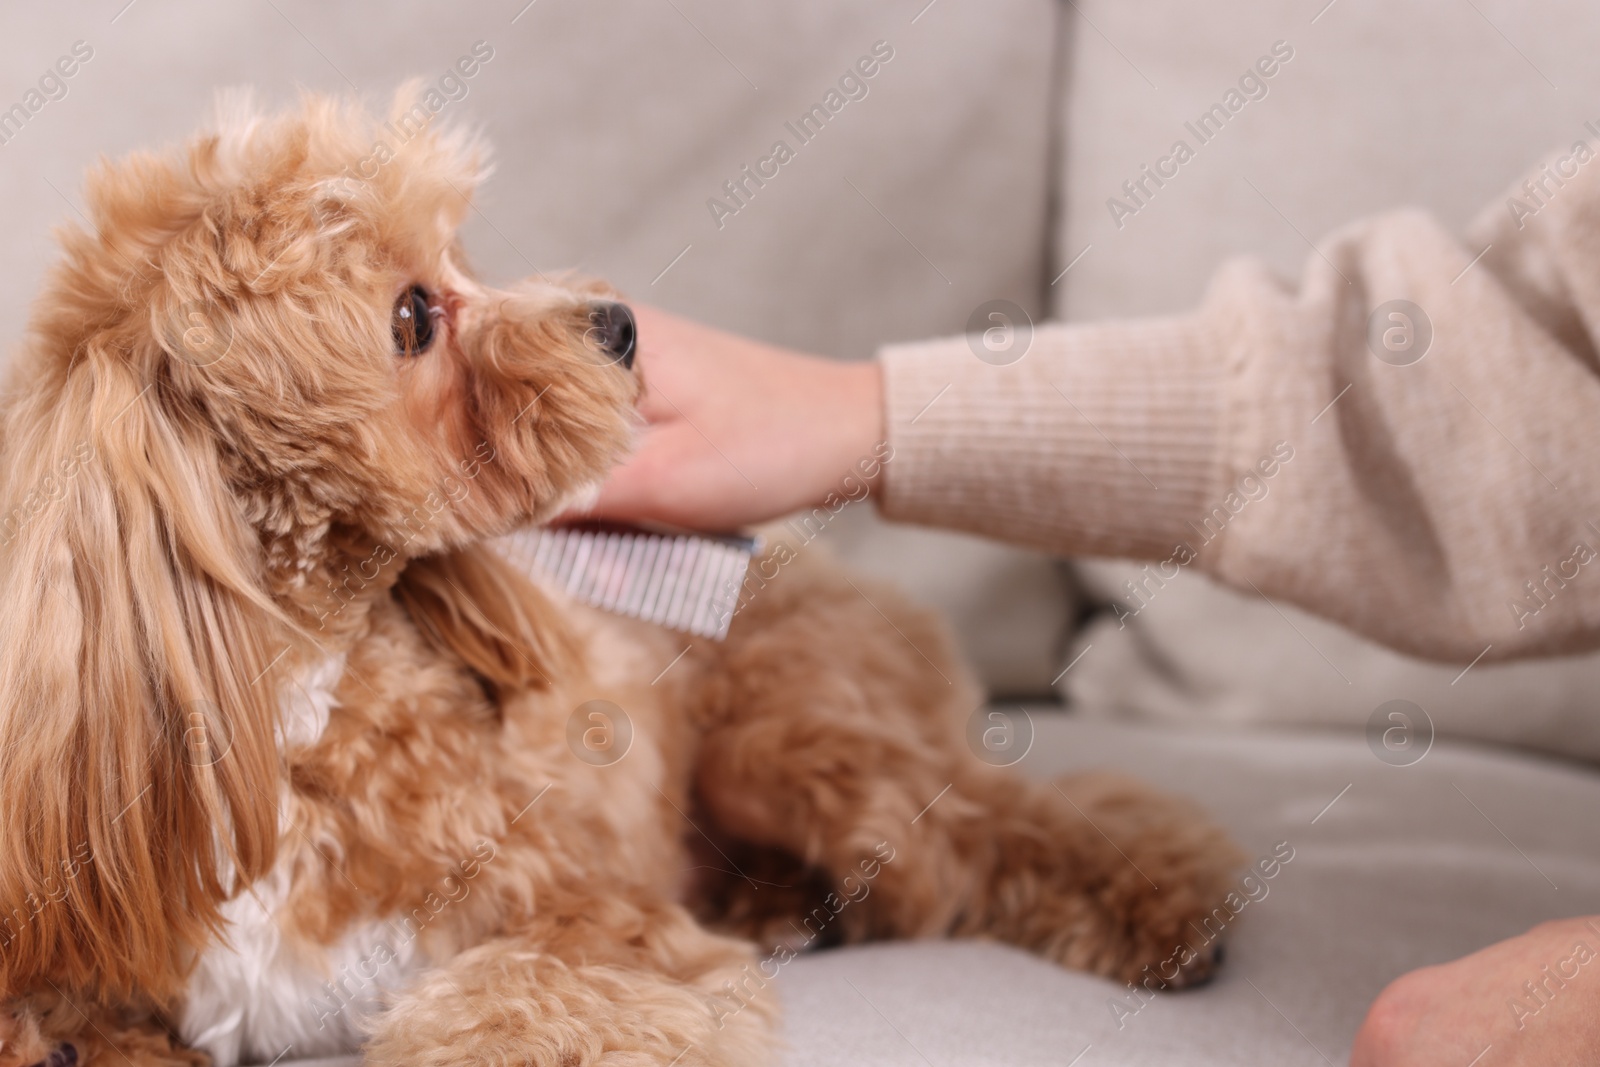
(285, 756)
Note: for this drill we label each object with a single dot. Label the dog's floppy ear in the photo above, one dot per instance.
(138, 760)
(478, 606)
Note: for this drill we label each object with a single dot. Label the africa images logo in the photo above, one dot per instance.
(52, 85)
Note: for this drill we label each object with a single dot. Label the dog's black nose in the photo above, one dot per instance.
(614, 331)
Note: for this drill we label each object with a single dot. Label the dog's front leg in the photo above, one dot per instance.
(615, 982)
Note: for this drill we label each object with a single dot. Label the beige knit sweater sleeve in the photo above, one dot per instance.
(1443, 505)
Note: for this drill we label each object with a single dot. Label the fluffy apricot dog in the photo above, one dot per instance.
(287, 756)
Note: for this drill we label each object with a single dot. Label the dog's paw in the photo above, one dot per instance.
(1164, 896)
(1198, 969)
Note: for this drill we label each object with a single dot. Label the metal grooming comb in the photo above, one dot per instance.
(684, 581)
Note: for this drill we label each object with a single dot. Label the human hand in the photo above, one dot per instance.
(739, 432)
(1478, 1010)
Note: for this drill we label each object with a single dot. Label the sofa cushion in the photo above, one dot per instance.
(1201, 652)
(1441, 106)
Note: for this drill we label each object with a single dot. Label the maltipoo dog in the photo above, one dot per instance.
(287, 752)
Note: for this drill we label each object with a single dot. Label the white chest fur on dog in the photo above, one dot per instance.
(258, 996)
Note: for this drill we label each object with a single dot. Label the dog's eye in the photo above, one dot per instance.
(413, 324)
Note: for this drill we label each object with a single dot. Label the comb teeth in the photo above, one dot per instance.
(687, 582)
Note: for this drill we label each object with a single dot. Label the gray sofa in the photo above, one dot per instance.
(976, 164)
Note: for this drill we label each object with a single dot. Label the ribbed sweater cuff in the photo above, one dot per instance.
(1103, 439)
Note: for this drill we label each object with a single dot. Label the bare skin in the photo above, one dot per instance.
(740, 432)
(1450, 1014)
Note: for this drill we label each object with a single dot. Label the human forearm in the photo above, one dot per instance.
(1420, 498)
(1102, 440)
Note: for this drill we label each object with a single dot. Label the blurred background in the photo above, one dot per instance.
(977, 163)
